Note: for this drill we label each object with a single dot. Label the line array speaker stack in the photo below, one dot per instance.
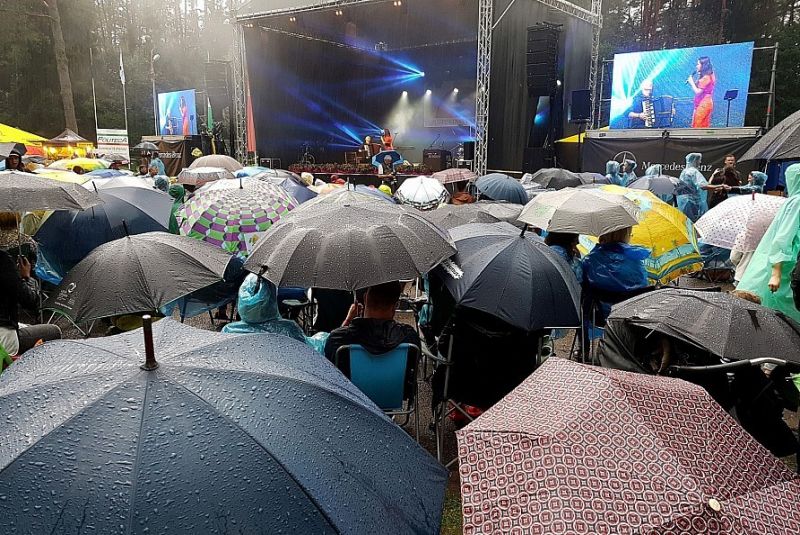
(217, 85)
(543, 109)
(542, 59)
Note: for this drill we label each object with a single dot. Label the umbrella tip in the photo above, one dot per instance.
(125, 227)
(150, 363)
(522, 233)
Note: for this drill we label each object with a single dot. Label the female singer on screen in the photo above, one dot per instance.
(185, 117)
(703, 93)
(387, 139)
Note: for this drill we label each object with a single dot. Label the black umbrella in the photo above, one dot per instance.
(348, 245)
(780, 143)
(7, 148)
(450, 216)
(721, 323)
(22, 192)
(137, 274)
(657, 184)
(513, 276)
(145, 146)
(557, 178)
(248, 433)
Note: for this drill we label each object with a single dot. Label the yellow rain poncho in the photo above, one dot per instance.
(780, 245)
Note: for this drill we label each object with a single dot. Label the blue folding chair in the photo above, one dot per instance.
(382, 378)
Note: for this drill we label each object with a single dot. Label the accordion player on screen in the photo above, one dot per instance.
(649, 111)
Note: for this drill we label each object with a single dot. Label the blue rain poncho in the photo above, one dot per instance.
(612, 173)
(629, 176)
(616, 267)
(258, 309)
(780, 245)
(694, 203)
(759, 179)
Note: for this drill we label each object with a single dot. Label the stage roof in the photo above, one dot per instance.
(263, 8)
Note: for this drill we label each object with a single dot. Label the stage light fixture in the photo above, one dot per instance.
(422, 74)
(405, 93)
(292, 19)
(428, 92)
(455, 90)
(558, 83)
(339, 13)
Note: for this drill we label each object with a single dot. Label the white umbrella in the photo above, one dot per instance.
(217, 160)
(743, 219)
(197, 176)
(580, 211)
(422, 192)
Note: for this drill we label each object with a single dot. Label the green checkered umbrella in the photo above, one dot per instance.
(234, 219)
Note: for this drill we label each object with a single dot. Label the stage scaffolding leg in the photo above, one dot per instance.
(485, 18)
(239, 100)
(597, 25)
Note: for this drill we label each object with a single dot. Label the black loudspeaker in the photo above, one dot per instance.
(217, 84)
(437, 159)
(469, 150)
(581, 106)
(542, 59)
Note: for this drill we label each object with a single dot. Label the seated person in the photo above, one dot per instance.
(615, 267)
(17, 289)
(258, 308)
(376, 331)
(332, 308)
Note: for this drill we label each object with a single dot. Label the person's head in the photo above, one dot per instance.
(563, 239)
(654, 170)
(153, 170)
(693, 159)
(161, 183)
(14, 161)
(622, 235)
(704, 66)
(462, 197)
(78, 170)
(647, 88)
(387, 160)
(386, 132)
(307, 178)
(8, 221)
(612, 167)
(628, 166)
(757, 178)
(747, 296)
(177, 192)
(115, 165)
(730, 160)
(142, 169)
(155, 154)
(792, 175)
(368, 140)
(380, 302)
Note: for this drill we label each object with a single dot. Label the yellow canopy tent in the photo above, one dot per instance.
(10, 134)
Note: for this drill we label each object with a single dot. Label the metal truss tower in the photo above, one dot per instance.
(239, 115)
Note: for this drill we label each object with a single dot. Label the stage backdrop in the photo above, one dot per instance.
(669, 152)
(668, 71)
(327, 80)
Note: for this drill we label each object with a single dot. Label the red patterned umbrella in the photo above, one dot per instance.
(579, 449)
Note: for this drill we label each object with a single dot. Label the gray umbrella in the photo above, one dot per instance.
(22, 192)
(217, 160)
(580, 211)
(146, 146)
(718, 322)
(557, 178)
(135, 274)
(513, 276)
(349, 246)
(657, 184)
(197, 176)
(780, 143)
(253, 433)
(450, 216)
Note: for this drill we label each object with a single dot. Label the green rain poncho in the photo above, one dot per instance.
(780, 244)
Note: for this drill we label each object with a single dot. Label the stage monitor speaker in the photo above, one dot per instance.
(437, 159)
(581, 106)
(217, 84)
(469, 150)
(542, 59)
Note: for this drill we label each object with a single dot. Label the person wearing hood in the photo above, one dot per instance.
(612, 173)
(628, 172)
(693, 203)
(376, 331)
(755, 184)
(258, 308)
(14, 162)
(769, 273)
(178, 193)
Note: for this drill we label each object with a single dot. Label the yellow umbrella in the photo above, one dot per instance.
(664, 230)
(62, 175)
(88, 164)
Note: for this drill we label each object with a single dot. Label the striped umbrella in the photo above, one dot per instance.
(665, 231)
(234, 219)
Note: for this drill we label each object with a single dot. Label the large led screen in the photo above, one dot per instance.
(177, 115)
(681, 87)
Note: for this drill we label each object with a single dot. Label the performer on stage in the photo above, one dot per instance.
(366, 147)
(703, 92)
(185, 115)
(642, 113)
(387, 140)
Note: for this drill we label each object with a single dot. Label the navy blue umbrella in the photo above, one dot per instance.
(375, 192)
(253, 433)
(106, 173)
(397, 159)
(67, 237)
(511, 275)
(500, 187)
(288, 181)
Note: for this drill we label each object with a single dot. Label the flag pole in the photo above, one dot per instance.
(124, 96)
(94, 95)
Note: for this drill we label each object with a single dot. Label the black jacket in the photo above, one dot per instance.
(377, 337)
(14, 292)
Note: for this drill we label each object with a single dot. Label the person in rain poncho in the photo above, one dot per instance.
(178, 193)
(769, 273)
(258, 308)
(628, 172)
(612, 173)
(755, 184)
(694, 202)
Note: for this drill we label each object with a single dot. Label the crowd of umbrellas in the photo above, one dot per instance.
(194, 431)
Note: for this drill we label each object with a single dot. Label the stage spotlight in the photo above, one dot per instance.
(558, 83)
(428, 92)
(422, 74)
(397, 3)
(339, 13)
(292, 19)
(405, 93)
(455, 90)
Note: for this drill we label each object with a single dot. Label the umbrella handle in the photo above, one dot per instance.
(150, 363)
(726, 367)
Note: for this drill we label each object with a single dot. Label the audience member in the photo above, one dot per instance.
(258, 309)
